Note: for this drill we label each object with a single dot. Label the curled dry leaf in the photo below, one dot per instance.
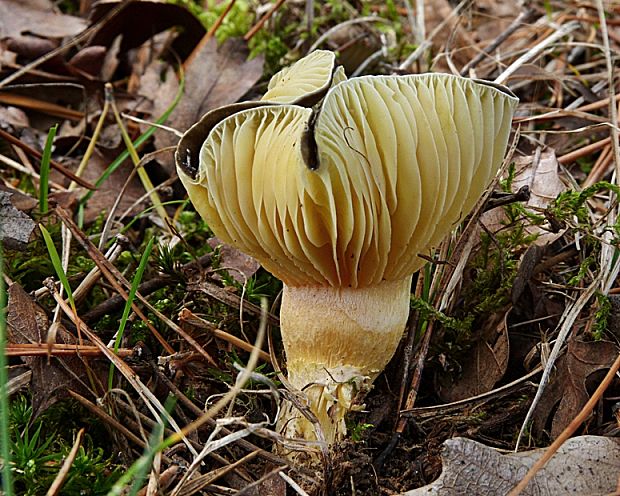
(486, 363)
(543, 179)
(583, 465)
(568, 384)
(239, 265)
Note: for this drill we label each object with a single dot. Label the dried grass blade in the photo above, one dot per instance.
(200, 482)
(150, 400)
(242, 379)
(566, 325)
(133, 154)
(139, 141)
(111, 421)
(61, 477)
(536, 50)
(137, 471)
(110, 272)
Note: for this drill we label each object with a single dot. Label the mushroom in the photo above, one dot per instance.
(336, 187)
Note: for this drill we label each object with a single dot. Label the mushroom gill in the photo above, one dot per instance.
(399, 161)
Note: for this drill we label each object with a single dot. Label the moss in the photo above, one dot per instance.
(39, 447)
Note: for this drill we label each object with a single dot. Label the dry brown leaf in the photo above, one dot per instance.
(12, 118)
(543, 179)
(88, 60)
(239, 265)
(152, 17)
(568, 384)
(15, 226)
(486, 363)
(27, 322)
(584, 465)
(36, 17)
(218, 75)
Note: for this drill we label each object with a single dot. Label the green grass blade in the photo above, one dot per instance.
(139, 469)
(5, 440)
(139, 141)
(55, 258)
(132, 294)
(45, 170)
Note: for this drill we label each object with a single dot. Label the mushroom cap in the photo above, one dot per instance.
(305, 82)
(399, 160)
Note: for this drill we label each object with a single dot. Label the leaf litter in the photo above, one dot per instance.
(529, 285)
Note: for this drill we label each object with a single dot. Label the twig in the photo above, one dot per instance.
(187, 316)
(116, 302)
(296, 487)
(198, 483)
(25, 170)
(256, 28)
(521, 19)
(38, 155)
(108, 419)
(230, 395)
(243, 443)
(536, 50)
(42, 106)
(494, 393)
(427, 42)
(248, 489)
(111, 273)
(565, 326)
(420, 22)
(150, 400)
(59, 349)
(61, 477)
(205, 39)
(344, 24)
(583, 151)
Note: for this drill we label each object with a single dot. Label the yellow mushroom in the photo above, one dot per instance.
(338, 201)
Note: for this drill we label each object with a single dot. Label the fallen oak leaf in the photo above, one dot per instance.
(567, 389)
(583, 465)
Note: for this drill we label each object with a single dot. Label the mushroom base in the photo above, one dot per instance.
(337, 341)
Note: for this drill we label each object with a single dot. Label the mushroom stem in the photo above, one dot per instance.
(337, 341)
